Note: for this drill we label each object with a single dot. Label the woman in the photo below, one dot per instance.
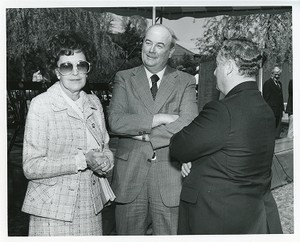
(66, 152)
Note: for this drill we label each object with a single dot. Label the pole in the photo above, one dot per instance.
(153, 15)
(260, 77)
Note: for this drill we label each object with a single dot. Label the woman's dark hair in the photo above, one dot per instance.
(66, 44)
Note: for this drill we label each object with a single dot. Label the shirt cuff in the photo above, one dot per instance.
(80, 161)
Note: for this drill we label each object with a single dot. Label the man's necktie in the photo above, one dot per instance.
(277, 84)
(154, 79)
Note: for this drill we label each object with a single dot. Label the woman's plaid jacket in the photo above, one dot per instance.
(54, 136)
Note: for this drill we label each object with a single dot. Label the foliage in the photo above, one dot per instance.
(130, 40)
(136, 22)
(29, 31)
(272, 33)
(131, 43)
(185, 63)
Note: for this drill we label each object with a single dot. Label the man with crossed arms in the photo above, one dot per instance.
(145, 112)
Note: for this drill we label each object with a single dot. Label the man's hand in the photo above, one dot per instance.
(158, 119)
(186, 169)
(144, 137)
(163, 118)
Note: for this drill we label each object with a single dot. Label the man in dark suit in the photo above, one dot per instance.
(272, 92)
(227, 153)
(149, 104)
(289, 109)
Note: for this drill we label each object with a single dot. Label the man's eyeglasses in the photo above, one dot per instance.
(82, 67)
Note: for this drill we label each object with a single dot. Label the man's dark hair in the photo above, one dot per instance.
(245, 53)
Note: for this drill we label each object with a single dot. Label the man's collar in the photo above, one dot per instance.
(248, 85)
(160, 73)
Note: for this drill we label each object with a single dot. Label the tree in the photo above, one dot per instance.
(130, 40)
(136, 22)
(29, 31)
(272, 32)
(185, 63)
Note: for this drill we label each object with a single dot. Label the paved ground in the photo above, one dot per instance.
(17, 184)
(284, 197)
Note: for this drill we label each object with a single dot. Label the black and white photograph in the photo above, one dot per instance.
(165, 120)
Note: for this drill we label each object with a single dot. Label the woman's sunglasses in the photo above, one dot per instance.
(66, 68)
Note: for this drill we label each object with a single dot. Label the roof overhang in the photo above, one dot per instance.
(173, 13)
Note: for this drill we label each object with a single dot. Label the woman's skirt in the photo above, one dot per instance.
(85, 221)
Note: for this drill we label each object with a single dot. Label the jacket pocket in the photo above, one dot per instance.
(189, 195)
(47, 181)
(41, 192)
(124, 148)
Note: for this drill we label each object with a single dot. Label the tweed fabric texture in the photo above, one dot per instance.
(85, 221)
(54, 136)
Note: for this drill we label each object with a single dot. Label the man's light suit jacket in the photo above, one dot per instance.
(131, 113)
(54, 136)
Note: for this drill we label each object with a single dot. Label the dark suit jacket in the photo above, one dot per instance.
(273, 96)
(131, 113)
(289, 106)
(230, 145)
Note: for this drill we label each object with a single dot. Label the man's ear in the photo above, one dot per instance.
(230, 66)
(171, 52)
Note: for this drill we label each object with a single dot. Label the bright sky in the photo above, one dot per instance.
(186, 29)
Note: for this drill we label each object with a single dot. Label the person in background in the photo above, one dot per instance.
(197, 78)
(37, 76)
(149, 104)
(41, 76)
(272, 93)
(227, 153)
(66, 154)
(289, 109)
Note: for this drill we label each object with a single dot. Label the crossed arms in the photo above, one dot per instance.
(155, 128)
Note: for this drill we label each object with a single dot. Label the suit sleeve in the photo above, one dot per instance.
(188, 110)
(205, 135)
(121, 121)
(36, 163)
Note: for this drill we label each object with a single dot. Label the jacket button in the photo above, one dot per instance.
(94, 182)
(93, 125)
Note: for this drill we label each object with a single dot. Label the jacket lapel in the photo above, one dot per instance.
(88, 106)
(59, 103)
(141, 86)
(94, 126)
(165, 89)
